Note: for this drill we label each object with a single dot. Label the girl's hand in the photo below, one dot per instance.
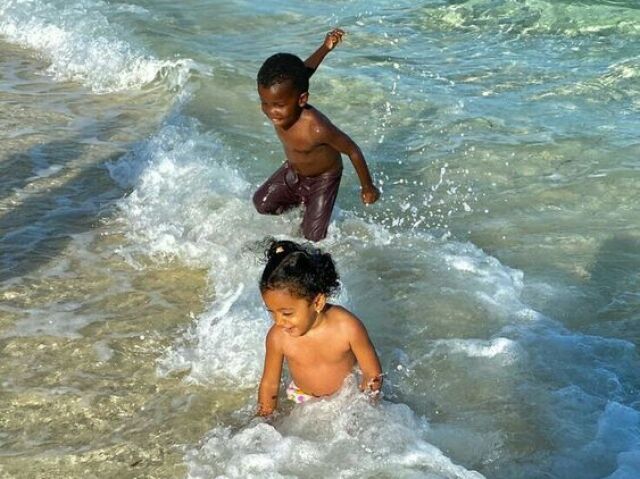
(373, 389)
(333, 38)
(264, 412)
(374, 385)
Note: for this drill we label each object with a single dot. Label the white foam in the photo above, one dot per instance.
(48, 171)
(188, 203)
(343, 436)
(496, 286)
(224, 345)
(82, 45)
(475, 348)
(186, 200)
(135, 9)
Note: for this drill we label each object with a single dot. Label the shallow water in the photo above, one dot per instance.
(498, 276)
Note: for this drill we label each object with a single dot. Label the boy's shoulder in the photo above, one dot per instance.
(317, 120)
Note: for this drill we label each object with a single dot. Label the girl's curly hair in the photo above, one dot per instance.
(300, 268)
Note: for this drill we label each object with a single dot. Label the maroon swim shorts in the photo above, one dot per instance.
(286, 189)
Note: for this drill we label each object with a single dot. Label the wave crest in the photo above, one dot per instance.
(82, 45)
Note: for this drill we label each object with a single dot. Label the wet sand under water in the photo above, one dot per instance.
(88, 403)
(81, 329)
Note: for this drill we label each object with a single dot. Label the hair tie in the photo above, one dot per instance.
(279, 249)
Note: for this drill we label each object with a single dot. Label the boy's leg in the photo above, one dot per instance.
(320, 196)
(276, 196)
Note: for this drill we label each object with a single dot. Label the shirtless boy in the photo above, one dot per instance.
(312, 144)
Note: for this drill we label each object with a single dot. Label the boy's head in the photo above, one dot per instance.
(283, 67)
(283, 84)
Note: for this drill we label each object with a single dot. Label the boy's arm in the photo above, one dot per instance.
(270, 382)
(344, 144)
(366, 356)
(331, 40)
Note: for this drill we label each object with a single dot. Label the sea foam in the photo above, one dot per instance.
(342, 436)
(82, 45)
(187, 202)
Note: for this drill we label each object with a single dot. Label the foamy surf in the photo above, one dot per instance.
(188, 203)
(343, 436)
(511, 124)
(82, 45)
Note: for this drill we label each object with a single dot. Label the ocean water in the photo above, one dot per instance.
(498, 276)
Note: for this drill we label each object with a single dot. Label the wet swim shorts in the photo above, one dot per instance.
(286, 189)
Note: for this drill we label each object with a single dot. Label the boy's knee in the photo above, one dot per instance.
(260, 203)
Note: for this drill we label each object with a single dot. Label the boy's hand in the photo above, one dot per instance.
(333, 38)
(369, 194)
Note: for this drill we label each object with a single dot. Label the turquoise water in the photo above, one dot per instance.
(499, 276)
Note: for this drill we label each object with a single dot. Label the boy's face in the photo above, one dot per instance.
(295, 315)
(282, 103)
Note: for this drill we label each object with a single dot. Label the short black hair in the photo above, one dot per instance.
(281, 67)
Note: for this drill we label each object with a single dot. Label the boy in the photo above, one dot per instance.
(312, 144)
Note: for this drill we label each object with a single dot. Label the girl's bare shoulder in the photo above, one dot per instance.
(342, 317)
(275, 337)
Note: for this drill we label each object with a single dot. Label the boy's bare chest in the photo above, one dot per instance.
(296, 142)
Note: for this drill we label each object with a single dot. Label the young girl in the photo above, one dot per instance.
(321, 342)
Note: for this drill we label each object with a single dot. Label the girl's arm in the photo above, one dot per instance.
(270, 382)
(366, 356)
(332, 39)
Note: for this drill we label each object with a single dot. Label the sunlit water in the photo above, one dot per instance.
(499, 276)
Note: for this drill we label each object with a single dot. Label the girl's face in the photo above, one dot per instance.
(295, 315)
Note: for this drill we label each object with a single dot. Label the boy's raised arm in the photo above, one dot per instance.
(331, 40)
(270, 382)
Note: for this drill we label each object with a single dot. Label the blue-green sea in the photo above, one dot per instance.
(498, 276)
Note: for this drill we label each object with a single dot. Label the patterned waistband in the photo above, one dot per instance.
(297, 395)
